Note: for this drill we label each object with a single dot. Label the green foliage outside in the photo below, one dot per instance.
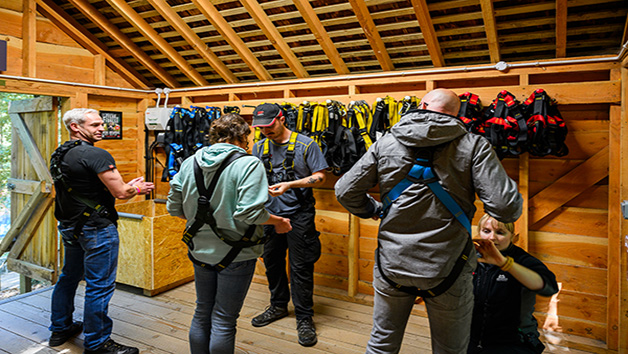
(5, 146)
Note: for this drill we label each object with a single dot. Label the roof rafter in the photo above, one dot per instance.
(488, 14)
(317, 28)
(228, 34)
(114, 32)
(269, 29)
(429, 34)
(73, 29)
(192, 38)
(138, 22)
(368, 26)
(561, 28)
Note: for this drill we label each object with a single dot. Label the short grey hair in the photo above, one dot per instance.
(76, 115)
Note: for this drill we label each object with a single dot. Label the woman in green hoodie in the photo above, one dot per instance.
(237, 202)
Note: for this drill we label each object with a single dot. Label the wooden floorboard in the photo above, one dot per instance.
(160, 324)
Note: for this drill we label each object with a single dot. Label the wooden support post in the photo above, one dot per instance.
(29, 38)
(619, 243)
(80, 100)
(524, 188)
(430, 85)
(186, 101)
(353, 254)
(100, 70)
(26, 284)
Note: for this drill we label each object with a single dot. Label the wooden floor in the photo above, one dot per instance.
(160, 325)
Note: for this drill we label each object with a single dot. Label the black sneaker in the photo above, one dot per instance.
(272, 314)
(58, 338)
(111, 347)
(307, 332)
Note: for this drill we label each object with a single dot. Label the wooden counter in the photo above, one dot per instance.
(152, 255)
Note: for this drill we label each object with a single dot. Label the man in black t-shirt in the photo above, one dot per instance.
(87, 183)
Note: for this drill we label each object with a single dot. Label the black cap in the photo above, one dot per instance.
(265, 114)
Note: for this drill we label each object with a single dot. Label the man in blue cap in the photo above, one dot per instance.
(294, 165)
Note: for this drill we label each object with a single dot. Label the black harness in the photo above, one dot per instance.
(60, 182)
(205, 215)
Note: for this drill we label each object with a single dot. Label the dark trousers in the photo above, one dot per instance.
(304, 250)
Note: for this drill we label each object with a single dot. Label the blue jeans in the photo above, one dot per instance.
(449, 315)
(219, 299)
(95, 257)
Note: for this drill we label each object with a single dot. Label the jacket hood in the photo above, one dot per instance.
(210, 157)
(423, 128)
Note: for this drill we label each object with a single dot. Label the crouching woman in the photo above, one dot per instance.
(222, 276)
(505, 285)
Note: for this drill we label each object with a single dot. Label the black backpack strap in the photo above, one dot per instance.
(204, 215)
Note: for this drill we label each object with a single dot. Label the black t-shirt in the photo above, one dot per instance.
(81, 166)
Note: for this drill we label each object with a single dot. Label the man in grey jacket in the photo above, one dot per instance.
(419, 239)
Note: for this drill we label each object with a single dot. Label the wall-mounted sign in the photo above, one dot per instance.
(113, 124)
(3, 55)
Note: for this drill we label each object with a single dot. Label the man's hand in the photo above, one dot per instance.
(278, 189)
(283, 226)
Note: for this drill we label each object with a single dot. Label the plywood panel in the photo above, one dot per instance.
(135, 264)
(170, 253)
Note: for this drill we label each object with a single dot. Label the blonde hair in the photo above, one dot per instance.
(510, 227)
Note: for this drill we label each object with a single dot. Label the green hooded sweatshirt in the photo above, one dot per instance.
(237, 202)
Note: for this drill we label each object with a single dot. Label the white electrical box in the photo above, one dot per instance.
(156, 118)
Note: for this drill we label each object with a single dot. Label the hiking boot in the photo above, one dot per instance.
(111, 347)
(58, 338)
(307, 332)
(272, 314)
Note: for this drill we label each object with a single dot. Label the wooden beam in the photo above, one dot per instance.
(522, 224)
(623, 231)
(39, 164)
(27, 187)
(127, 44)
(82, 36)
(151, 35)
(36, 214)
(31, 270)
(561, 28)
(193, 39)
(18, 224)
(569, 186)
(100, 70)
(319, 31)
(614, 227)
(371, 33)
(488, 14)
(257, 12)
(429, 34)
(236, 43)
(29, 38)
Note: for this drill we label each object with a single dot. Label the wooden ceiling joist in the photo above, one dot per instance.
(372, 34)
(71, 27)
(138, 22)
(561, 28)
(29, 38)
(228, 34)
(127, 44)
(488, 15)
(319, 31)
(184, 30)
(429, 34)
(269, 29)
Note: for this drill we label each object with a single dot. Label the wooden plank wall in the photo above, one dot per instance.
(569, 232)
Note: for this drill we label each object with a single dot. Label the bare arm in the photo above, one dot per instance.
(120, 190)
(315, 180)
(282, 225)
(491, 255)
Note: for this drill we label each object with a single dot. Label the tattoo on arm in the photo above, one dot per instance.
(313, 180)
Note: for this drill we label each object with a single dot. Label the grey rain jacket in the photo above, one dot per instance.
(419, 238)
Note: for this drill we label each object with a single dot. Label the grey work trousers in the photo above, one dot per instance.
(449, 316)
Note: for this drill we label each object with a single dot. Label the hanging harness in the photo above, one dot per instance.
(59, 180)
(422, 172)
(470, 111)
(342, 151)
(505, 126)
(205, 215)
(288, 166)
(546, 128)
